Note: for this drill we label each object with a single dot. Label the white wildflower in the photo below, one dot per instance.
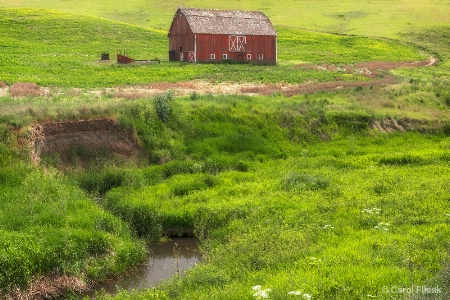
(296, 293)
(300, 293)
(264, 294)
(374, 210)
(328, 226)
(260, 294)
(382, 226)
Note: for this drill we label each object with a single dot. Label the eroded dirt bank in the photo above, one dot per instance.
(83, 139)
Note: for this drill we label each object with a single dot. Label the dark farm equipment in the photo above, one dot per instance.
(124, 59)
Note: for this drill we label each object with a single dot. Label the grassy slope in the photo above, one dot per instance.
(49, 227)
(69, 55)
(261, 219)
(374, 18)
(259, 204)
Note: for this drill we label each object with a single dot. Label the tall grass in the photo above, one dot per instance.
(49, 228)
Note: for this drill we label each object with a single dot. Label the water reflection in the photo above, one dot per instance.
(162, 263)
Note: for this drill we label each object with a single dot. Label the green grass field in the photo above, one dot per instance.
(374, 18)
(311, 196)
(36, 48)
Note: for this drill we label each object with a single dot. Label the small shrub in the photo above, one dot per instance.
(194, 96)
(162, 107)
(242, 166)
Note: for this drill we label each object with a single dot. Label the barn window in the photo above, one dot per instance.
(225, 56)
(237, 43)
(261, 56)
(213, 56)
(249, 56)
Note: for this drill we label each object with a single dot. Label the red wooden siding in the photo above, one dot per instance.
(186, 45)
(218, 45)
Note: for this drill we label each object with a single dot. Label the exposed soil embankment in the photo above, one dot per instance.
(83, 139)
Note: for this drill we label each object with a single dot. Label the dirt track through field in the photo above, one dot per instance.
(375, 72)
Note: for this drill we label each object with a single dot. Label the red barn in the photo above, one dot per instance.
(211, 35)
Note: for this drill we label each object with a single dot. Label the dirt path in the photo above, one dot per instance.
(375, 72)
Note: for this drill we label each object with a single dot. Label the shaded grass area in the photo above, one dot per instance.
(68, 56)
(48, 227)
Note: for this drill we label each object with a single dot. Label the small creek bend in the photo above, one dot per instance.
(164, 260)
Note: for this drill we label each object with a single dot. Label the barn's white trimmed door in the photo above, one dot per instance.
(191, 56)
(241, 41)
(237, 43)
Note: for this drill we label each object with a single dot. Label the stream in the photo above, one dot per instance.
(164, 260)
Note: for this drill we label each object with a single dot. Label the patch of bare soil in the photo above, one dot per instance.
(388, 125)
(82, 138)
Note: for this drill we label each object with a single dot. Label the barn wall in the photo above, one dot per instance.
(218, 45)
(181, 38)
(199, 47)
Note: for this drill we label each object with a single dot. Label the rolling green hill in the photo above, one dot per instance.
(373, 18)
(340, 194)
(59, 49)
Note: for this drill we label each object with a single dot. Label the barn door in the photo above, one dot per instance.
(191, 56)
(237, 43)
(241, 41)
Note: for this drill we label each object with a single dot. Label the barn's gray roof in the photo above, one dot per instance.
(214, 21)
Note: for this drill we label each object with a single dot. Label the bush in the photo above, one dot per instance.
(162, 107)
(194, 96)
